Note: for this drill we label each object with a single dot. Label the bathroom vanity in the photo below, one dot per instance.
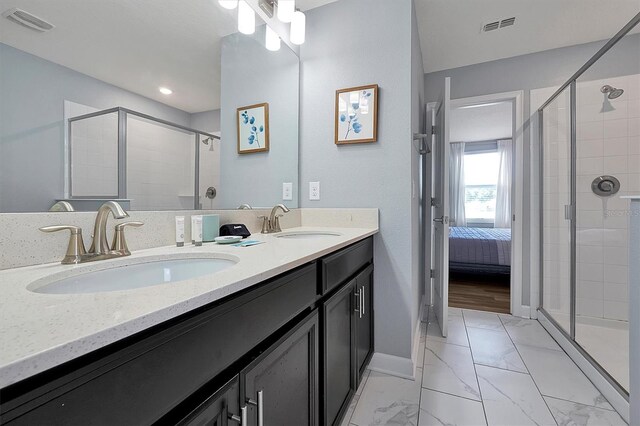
(289, 349)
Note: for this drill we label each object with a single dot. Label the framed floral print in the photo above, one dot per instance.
(357, 115)
(253, 128)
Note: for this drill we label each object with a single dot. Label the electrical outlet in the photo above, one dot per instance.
(287, 191)
(314, 190)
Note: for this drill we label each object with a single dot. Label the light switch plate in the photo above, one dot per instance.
(314, 190)
(287, 191)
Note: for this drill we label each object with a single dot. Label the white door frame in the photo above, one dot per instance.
(517, 309)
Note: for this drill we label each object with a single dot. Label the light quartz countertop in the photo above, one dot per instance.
(40, 331)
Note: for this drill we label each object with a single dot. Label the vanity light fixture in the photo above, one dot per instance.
(228, 4)
(272, 40)
(165, 90)
(246, 18)
(286, 9)
(298, 24)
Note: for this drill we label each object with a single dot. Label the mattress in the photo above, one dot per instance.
(480, 250)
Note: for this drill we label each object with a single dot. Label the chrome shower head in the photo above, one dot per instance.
(208, 141)
(611, 92)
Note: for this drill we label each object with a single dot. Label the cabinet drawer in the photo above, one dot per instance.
(338, 267)
(143, 381)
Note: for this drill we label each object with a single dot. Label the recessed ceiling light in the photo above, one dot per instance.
(165, 90)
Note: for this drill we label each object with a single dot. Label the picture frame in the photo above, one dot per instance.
(356, 119)
(253, 128)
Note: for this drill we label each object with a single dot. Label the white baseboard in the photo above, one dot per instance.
(400, 366)
(393, 365)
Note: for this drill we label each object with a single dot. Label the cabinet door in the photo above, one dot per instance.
(364, 319)
(221, 409)
(281, 385)
(338, 353)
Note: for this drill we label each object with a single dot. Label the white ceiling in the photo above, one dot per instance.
(137, 45)
(450, 34)
(143, 44)
(481, 123)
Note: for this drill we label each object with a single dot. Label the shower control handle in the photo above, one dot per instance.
(605, 186)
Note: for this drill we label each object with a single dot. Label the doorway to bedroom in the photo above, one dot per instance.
(481, 177)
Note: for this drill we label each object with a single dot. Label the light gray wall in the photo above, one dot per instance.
(353, 43)
(32, 95)
(207, 121)
(418, 252)
(250, 75)
(533, 71)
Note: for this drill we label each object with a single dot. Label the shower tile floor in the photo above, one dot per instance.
(492, 369)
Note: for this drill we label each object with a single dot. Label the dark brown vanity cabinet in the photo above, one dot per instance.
(347, 319)
(289, 351)
(221, 409)
(339, 379)
(281, 386)
(364, 320)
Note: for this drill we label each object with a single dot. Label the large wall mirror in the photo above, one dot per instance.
(161, 104)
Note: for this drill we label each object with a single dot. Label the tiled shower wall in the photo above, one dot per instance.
(160, 166)
(608, 143)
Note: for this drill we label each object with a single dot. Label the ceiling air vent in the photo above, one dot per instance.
(491, 26)
(499, 24)
(508, 22)
(28, 20)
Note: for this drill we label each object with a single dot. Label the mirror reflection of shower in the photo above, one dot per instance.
(609, 92)
(209, 142)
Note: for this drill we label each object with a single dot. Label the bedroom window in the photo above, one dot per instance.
(480, 179)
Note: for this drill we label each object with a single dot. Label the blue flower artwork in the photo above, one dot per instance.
(356, 115)
(253, 128)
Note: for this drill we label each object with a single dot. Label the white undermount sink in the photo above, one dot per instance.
(133, 276)
(305, 235)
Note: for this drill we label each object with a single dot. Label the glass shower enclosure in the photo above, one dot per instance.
(589, 132)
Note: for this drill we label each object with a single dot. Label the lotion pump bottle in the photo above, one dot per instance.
(180, 231)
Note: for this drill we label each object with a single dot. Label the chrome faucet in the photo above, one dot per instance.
(100, 245)
(99, 250)
(271, 223)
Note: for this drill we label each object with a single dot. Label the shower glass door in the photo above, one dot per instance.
(608, 168)
(590, 161)
(556, 202)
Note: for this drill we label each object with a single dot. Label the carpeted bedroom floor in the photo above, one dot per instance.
(480, 292)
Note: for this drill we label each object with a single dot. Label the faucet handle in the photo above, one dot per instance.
(119, 243)
(276, 223)
(75, 249)
(265, 224)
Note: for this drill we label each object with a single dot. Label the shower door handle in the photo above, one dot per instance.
(568, 212)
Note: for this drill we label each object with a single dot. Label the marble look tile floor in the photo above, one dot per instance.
(491, 370)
